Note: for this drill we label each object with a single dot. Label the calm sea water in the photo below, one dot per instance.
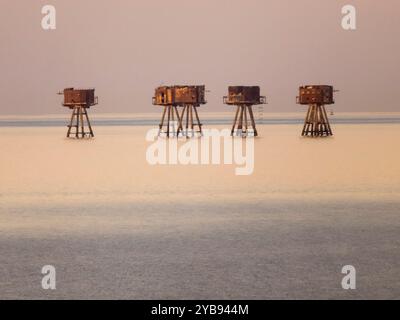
(116, 227)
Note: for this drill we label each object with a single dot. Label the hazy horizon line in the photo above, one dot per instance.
(204, 114)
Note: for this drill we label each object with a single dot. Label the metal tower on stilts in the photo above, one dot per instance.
(244, 98)
(79, 101)
(189, 98)
(316, 97)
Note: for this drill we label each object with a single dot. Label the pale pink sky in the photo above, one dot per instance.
(126, 48)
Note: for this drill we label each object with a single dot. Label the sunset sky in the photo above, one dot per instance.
(127, 48)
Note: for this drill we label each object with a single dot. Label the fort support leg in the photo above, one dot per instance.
(198, 121)
(240, 124)
(317, 122)
(173, 127)
(306, 123)
(181, 119)
(180, 128)
(71, 123)
(82, 123)
(322, 123)
(185, 111)
(234, 121)
(172, 124)
(88, 122)
(253, 122)
(328, 126)
(187, 121)
(191, 122)
(311, 120)
(168, 120)
(188, 126)
(319, 130)
(77, 123)
(245, 122)
(162, 121)
(78, 117)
